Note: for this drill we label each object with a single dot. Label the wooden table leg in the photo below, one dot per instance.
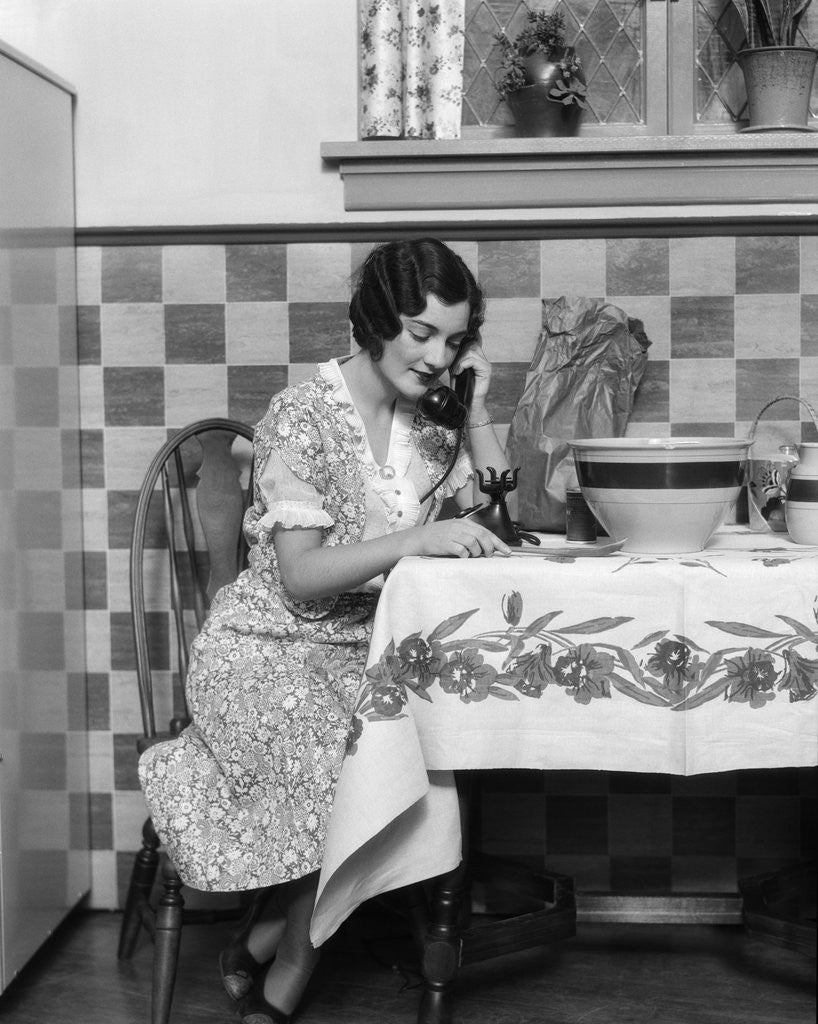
(546, 913)
(441, 949)
(442, 945)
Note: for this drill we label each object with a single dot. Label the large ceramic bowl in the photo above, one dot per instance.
(661, 494)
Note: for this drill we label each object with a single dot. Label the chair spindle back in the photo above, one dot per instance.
(213, 522)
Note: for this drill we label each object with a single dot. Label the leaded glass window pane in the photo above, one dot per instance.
(608, 35)
(720, 94)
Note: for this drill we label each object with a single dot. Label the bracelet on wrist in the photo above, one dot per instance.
(480, 423)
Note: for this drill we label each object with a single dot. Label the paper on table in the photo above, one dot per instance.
(575, 550)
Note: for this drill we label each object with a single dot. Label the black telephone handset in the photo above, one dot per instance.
(447, 407)
(450, 409)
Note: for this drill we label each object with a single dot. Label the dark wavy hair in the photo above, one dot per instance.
(398, 277)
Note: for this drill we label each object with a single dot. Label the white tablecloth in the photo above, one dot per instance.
(653, 663)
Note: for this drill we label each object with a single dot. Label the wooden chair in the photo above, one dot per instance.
(191, 503)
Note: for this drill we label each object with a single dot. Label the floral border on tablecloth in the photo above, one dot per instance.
(664, 669)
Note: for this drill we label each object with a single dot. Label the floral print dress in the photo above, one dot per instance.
(242, 798)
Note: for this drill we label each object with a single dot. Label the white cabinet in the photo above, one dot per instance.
(44, 831)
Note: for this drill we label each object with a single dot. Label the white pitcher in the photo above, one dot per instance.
(768, 474)
(801, 505)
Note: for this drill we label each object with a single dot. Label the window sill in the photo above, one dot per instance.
(623, 172)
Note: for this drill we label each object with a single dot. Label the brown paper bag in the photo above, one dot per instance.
(581, 382)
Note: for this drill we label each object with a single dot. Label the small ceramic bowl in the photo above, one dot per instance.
(665, 495)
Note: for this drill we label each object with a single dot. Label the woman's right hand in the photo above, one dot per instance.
(459, 538)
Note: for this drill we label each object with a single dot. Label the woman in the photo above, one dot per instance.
(242, 798)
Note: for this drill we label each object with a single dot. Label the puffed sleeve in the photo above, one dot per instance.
(291, 463)
(289, 500)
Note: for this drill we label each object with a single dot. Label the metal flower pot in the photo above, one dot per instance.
(779, 86)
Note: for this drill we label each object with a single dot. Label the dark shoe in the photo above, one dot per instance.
(255, 1009)
(239, 968)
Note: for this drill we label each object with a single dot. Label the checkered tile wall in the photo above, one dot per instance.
(171, 333)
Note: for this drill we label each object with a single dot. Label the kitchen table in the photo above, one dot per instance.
(562, 658)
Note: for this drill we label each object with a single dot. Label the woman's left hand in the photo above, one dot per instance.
(472, 356)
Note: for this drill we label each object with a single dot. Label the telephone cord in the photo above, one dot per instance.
(449, 468)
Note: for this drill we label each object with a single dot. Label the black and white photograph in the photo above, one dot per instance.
(409, 545)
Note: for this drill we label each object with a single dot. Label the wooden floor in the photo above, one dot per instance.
(608, 974)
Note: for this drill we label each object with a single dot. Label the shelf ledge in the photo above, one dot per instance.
(513, 173)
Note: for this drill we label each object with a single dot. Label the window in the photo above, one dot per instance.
(653, 67)
(608, 35)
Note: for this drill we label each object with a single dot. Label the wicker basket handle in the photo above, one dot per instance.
(783, 398)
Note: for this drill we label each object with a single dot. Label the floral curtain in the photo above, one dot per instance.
(411, 68)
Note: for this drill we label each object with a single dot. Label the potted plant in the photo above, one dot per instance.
(777, 72)
(541, 78)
